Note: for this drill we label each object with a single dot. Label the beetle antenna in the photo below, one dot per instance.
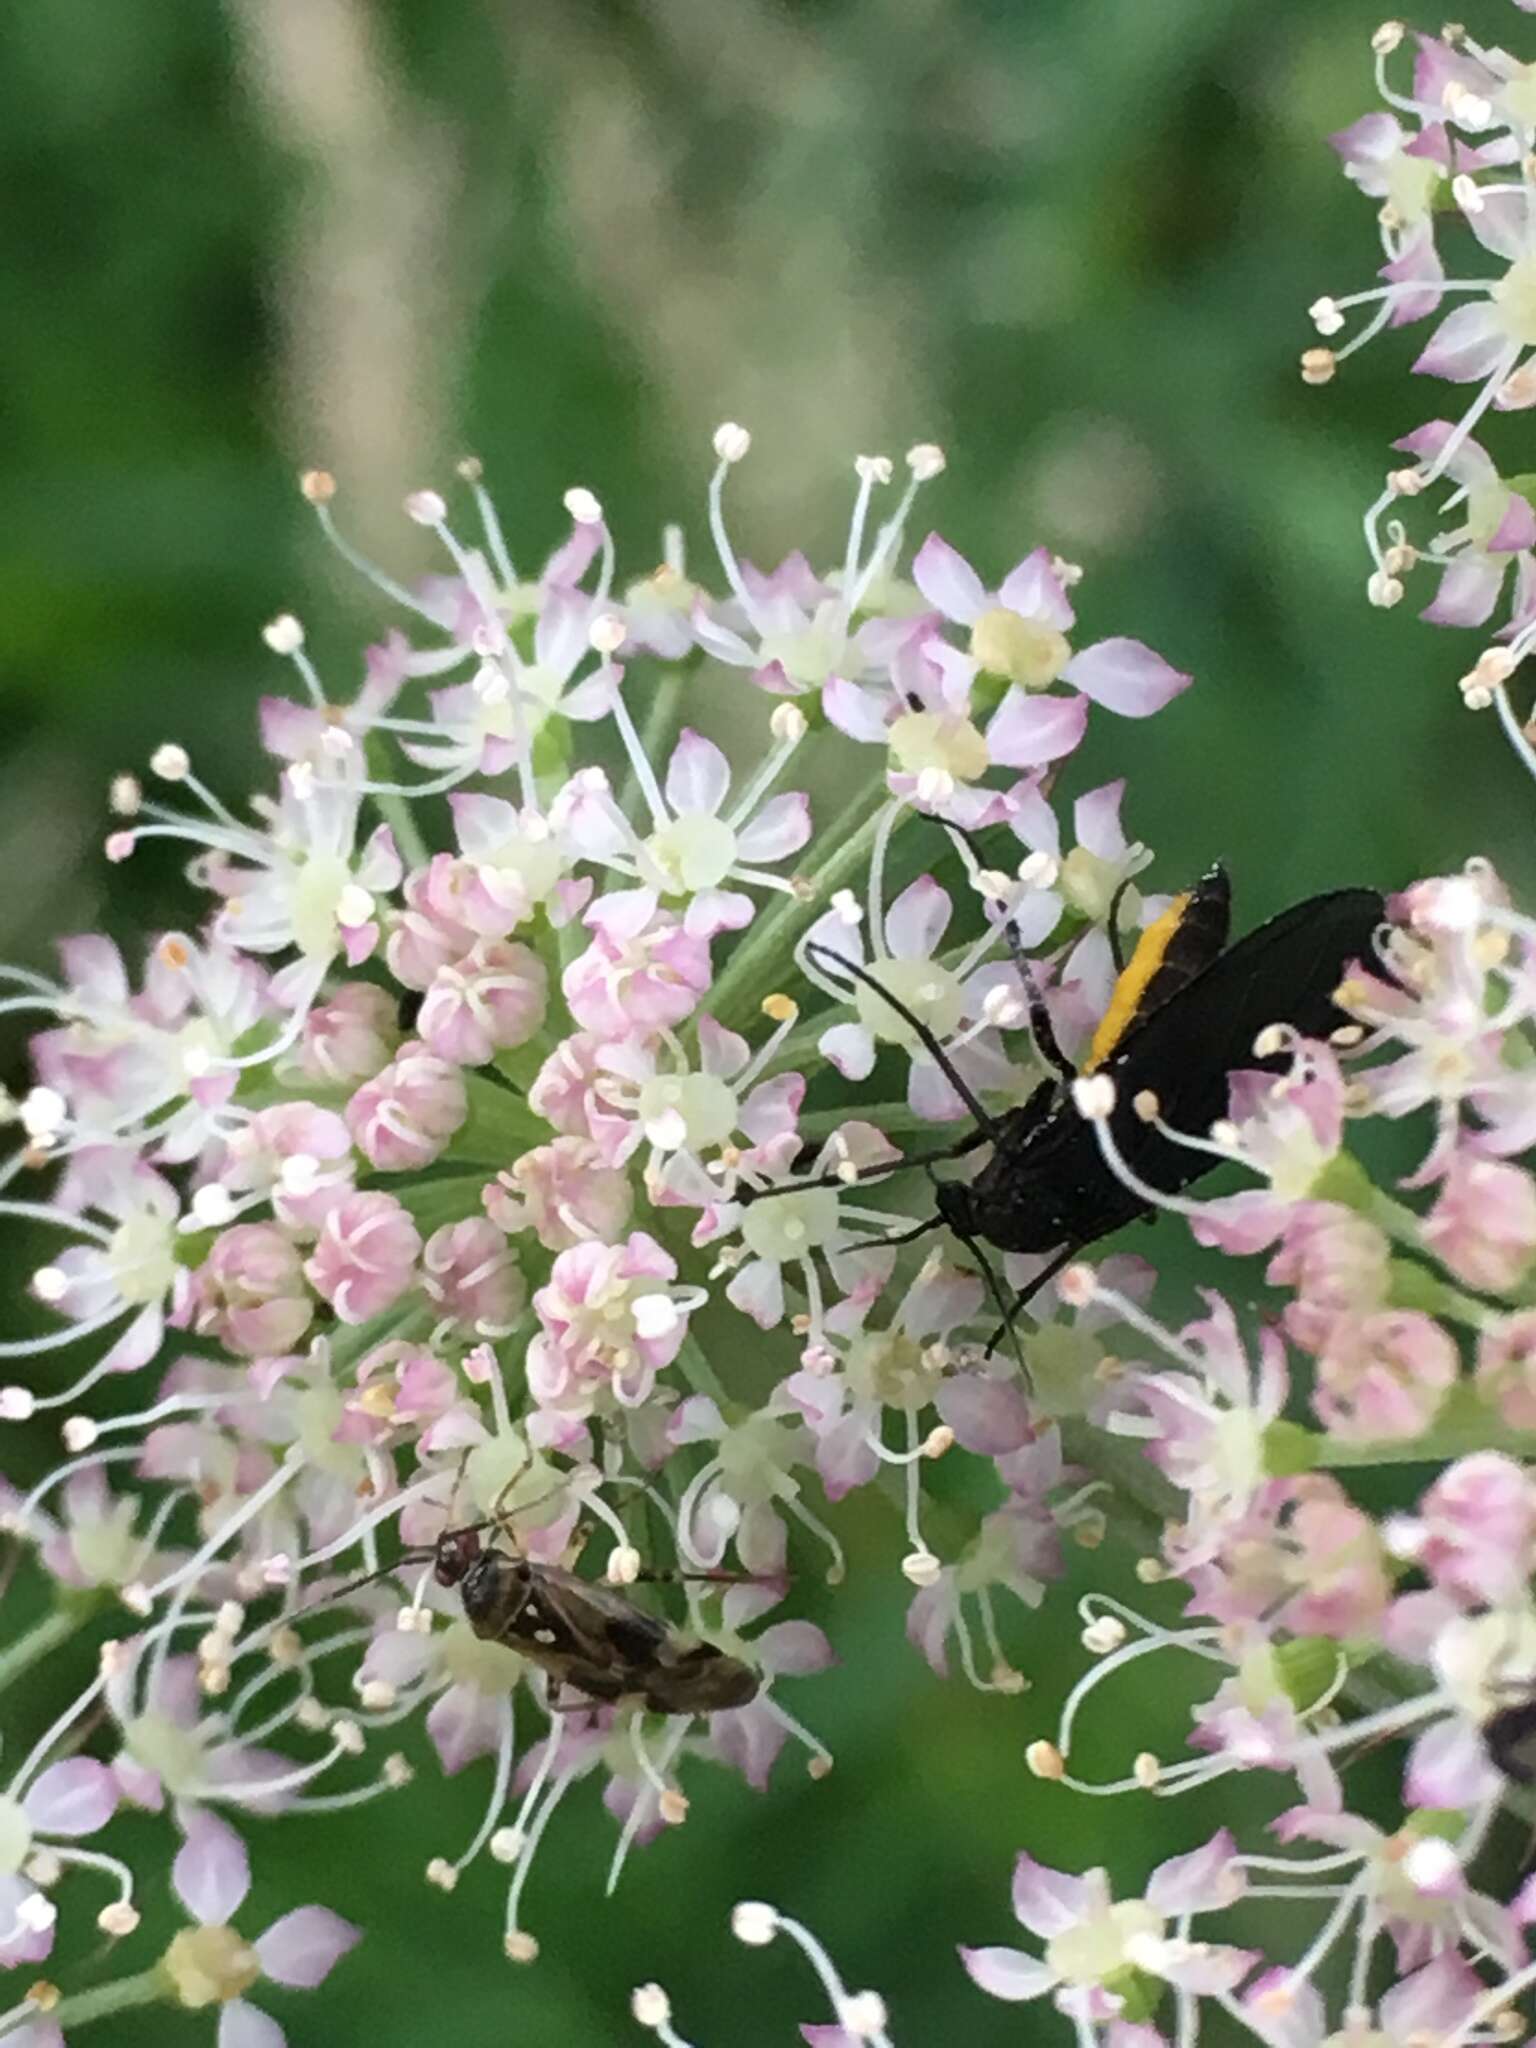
(910, 1018)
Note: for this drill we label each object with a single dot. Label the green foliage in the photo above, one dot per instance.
(1073, 243)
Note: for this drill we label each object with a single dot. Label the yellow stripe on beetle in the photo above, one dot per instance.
(1125, 1001)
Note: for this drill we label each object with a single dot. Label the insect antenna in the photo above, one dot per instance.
(1041, 1028)
(924, 1034)
(419, 1554)
(1027, 1293)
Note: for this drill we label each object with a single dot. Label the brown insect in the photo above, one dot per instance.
(589, 1637)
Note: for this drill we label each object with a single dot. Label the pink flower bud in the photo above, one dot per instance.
(366, 1257)
(1337, 1265)
(469, 1270)
(1384, 1375)
(641, 973)
(1483, 1224)
(563, 1193)
(562, 1088)
(350, 1036)
(404, 1116)
(1506, 1369)
(251, 1292)
(610, 1322)
(397, 1384)
(428, 934)
(300, 1154)
(493, 998)
(1479, 1530)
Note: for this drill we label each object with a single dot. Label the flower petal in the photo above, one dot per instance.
(212, 1873)
(1007, 1973)
(861, 713)
(1026, 732)
(1050, 1902)
(304, 1946)
(1465, 346)
(916, 922)
(780, 828)
(74, 1798)
(948, 581)
(247, 2026)
(1199, 1882)
(1035, 591)
(850, 1048)
(698, 774)
(1125, 676)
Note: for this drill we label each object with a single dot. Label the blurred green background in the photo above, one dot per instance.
(1072, 240)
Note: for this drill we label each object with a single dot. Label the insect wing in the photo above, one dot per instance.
(1285, 972)
(1170, 953)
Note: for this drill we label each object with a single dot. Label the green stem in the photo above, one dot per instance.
(409, 843)
(39, 1642)
(769, 936)
(1435, 1447)
(701, 1375)
(145, 1989)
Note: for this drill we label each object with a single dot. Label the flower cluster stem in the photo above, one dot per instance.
(42, 1640)
(147, 1988)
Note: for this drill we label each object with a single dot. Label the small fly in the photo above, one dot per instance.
(1185, 1012)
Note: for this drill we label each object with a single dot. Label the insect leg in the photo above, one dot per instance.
(875, 1244)
(925, 1037)
(1041, 1028)
(1026, 1294)
(1112, 925)
(971, 1142)
(1000, 1300)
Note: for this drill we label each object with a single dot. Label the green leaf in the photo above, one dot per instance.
(449, 1198)
(500, 1126)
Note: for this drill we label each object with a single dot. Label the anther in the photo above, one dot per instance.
(754, 1922)
(731, 441)
(284, 634)
(651, 2006)
(921, 1568)
(1094, 1097)
(426, 508)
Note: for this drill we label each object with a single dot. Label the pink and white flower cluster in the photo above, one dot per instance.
(504, 1184)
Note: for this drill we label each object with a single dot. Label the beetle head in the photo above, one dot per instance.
(456, 1551)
